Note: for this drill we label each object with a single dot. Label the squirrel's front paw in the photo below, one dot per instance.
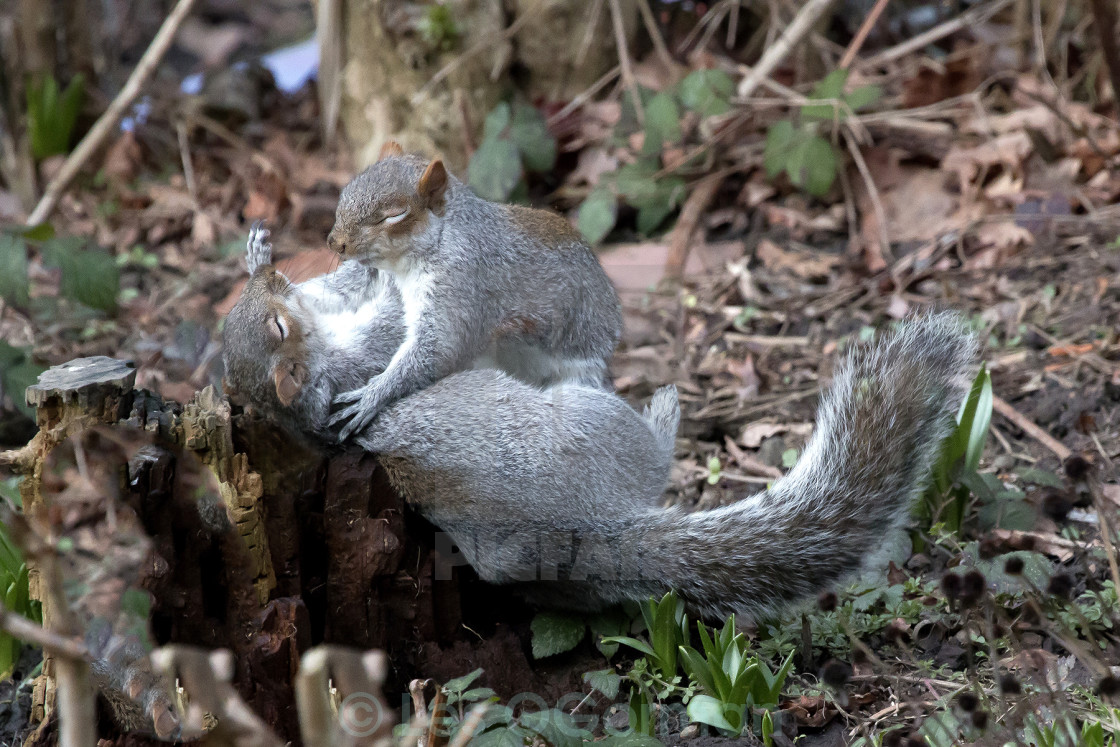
(258, 252)
(364, 405)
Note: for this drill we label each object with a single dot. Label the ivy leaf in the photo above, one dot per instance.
(707, 92)
(14, 286)
(530, 134)
(597, 215)
(495, 169)
(554, 633)
(663, 123)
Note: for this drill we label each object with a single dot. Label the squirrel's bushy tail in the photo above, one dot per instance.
(663, 415)
(879, 429)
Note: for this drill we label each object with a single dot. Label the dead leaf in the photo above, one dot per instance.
(123, 159)
(810, 710)
(1005, 151)
(803, 263)
(754, 434)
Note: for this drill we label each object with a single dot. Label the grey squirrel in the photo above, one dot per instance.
(560, 484)
(477, 278)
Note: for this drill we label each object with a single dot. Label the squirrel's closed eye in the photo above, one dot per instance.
(278, 328)
(396, 217)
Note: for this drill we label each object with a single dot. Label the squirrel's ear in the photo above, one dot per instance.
(390, 148)
(433, 183)
(289, 378)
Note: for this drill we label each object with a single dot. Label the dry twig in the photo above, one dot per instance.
(680, 239)
(802, 22)
(1026, 425)
(108, 121)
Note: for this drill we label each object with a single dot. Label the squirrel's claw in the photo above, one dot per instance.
(257, 249)
(359, 413)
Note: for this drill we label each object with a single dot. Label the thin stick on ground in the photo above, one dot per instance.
(109, 120)
(872, 194)
(628, 78)
(680, 239)
(798, 28)
(1028, 427)
(861, 35)
(967, 19)
(655, 35)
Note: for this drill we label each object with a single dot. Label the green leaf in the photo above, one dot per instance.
(605, 681)
(609, 623)
(698, 669)
(597, 215)
(829, 87)
(633, 643)
(819, 167)
(497, 121)
(655, 198)
(555, 633)
(495, 169)
(708, 710)
(558, 728)
(478, 693)
(459, 684)
(650, 217)
(978, 433)
(1040, 477)
(707, 92)
(90, 276)
(14, 285)
(862, 97)
(17, 372)
(51, 116)
(1037, 569)
(663, 123)
(780, 140)
(529, 132)
(501, 737)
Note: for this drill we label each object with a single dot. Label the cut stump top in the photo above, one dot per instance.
(81, 377)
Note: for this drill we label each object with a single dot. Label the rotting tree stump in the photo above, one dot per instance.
(315, 548)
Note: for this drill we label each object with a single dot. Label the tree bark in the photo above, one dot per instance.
(532, 48)
(259, 544)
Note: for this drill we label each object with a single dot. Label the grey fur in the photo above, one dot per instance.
(534, 487)
(351, 291)
(555, 489)
(475, 281)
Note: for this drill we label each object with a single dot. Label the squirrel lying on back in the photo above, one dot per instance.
(560, 484)
(477, 278)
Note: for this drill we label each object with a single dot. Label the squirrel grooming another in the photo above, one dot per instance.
(477, 278)
(269, 335)
(556, 489)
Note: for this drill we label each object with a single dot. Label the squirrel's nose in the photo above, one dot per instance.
(336, 244)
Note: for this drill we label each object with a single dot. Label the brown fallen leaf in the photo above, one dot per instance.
(804, 264)
(810, 710)
(755, 433)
